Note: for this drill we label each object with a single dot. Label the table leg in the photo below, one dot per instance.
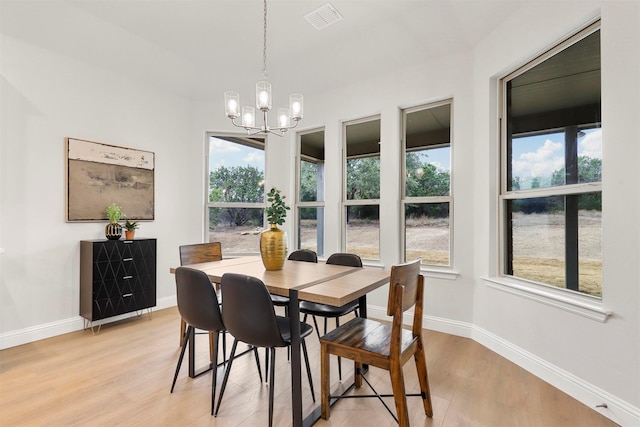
(296, 375)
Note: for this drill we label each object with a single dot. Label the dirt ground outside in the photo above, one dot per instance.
(538, 241)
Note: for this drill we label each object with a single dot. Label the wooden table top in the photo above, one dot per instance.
(318, 282)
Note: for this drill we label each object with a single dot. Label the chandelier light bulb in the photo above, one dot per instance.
(263, 95)
(296, 106)
(284, 118)
(232, 104)
(248, 117)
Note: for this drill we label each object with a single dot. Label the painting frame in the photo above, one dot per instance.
(100, 174)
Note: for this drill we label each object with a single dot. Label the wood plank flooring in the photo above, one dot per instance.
(122, 377)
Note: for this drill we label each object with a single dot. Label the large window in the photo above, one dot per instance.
(427, 183)
(235, 192)
(310, 204)
(551, 196)
(362, 187)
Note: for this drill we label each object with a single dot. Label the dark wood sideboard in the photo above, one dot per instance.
(116, 277)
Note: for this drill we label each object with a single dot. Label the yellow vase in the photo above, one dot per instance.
(273, 247)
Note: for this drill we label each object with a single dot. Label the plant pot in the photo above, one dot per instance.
(273, 248)
(129, 234)
(113, 231)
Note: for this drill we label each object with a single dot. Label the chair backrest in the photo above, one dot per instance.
(248, 312)
(200, 252)
(406, 288)
(347, 259)
(303, 255)
(197, 301)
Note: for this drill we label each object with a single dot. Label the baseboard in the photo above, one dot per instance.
(72, 324)
(617, 410)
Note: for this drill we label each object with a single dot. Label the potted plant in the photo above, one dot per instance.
(113, 230)
(130, 229)
(273, 241)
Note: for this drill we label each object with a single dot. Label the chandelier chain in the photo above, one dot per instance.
(264, 46)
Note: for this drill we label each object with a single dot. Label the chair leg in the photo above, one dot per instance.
(266, 365)
(397, 384)
(272, 378)
(315, 323)
(325, 382)
(421, 367)
(224, 346)
(211, 345)
(266, 372)
(306, 362)
(226, 375)
(185, 341)
(183, 327)
(214, 379)
(357, 372)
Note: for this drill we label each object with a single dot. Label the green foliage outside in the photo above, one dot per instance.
(426, 180)
(240, 184)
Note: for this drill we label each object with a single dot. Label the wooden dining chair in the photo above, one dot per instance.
(389, 347)
(195, 254)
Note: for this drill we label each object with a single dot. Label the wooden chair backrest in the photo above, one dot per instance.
(200, 252)
(406, 287)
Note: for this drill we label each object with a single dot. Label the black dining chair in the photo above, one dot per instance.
(306, 255)
(198, 307)
(195, 254)
(327, 311)
(250, 317)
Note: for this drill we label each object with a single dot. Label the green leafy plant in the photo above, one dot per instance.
(130, 226)
(277, 211)
(114, 212)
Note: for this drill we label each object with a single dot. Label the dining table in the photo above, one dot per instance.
(316, 282)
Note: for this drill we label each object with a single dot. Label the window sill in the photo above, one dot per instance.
(440, 273)
(583, 305)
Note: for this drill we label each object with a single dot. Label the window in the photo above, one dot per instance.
(362, 187)
(310, 204)
(235, 192)
(551, 195)
(427, 183)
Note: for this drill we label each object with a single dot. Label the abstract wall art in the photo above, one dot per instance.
(100, 174)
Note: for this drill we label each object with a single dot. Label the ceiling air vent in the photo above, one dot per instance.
(323, 17)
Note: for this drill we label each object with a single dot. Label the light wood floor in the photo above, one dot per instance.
(122, 377)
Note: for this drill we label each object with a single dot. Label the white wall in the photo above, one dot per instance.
(45, 98)
(571, 351)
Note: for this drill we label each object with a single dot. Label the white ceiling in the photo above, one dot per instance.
(199, 48)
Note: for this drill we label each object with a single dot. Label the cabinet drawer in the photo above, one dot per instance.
(116, 277)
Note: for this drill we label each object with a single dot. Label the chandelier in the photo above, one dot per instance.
(288, 118)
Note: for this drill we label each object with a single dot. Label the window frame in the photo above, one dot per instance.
(427, 199)
(243, 139)
(308, 204)
(580, 303)
(346, 203)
